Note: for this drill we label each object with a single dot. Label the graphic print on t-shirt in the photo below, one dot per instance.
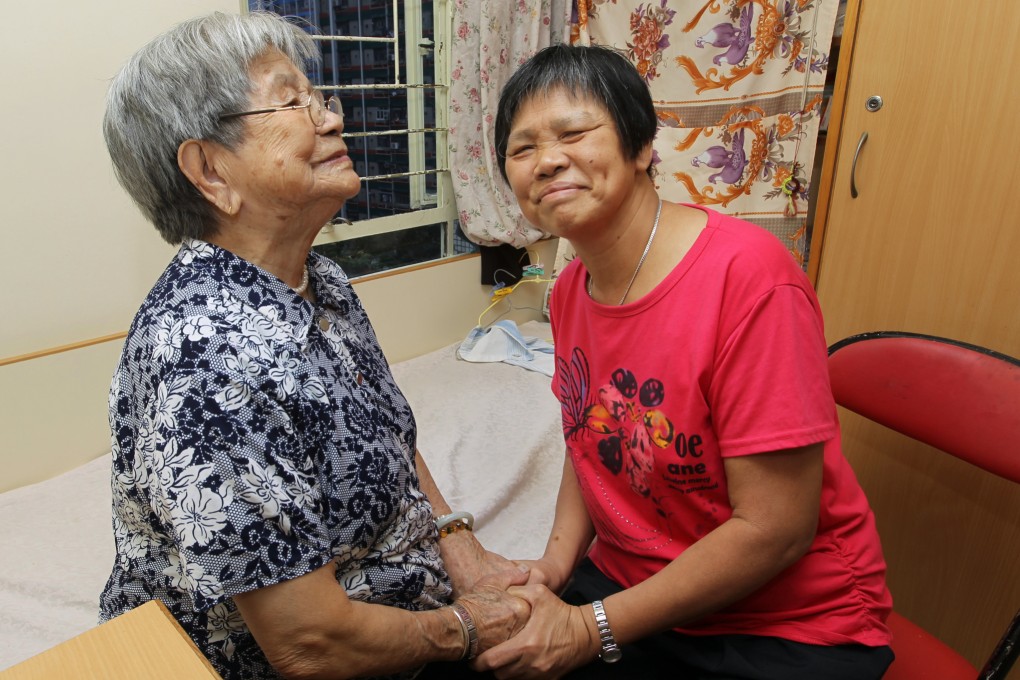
(575, 397)
(636, 441)
(625, 416)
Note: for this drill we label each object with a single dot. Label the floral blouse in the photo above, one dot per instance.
(257, 437)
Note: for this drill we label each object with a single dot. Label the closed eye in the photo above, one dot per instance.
(520, 151)
(578, 134)
(524, 150)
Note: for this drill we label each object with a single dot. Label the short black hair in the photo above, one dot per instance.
(595, 72)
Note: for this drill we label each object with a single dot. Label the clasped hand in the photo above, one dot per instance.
(525, 630)
(555, 639)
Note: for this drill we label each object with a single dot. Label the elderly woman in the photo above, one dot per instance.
(731, 539)
(266, 483)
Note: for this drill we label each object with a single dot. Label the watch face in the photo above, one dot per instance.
(611, 655)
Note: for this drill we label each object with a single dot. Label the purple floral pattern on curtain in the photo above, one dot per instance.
(491, 39)
(738, 86)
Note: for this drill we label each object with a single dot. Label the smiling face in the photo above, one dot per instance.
(285, 165)
(566, 165)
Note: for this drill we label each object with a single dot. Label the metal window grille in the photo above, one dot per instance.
(387, 60)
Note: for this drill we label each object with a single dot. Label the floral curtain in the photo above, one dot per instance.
(738, 86)
(491, 39)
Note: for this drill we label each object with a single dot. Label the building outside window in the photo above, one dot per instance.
(386, 61)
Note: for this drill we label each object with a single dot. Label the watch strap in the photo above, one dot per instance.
(610, 650)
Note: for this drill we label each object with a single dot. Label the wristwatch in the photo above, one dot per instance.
(610, 650)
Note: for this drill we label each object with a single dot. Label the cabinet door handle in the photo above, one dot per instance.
(853, 166)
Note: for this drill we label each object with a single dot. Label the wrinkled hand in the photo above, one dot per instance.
(497, 614)
(471, 566)
(556, 639)
(544, 572)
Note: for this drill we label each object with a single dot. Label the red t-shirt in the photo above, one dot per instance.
(725, 357)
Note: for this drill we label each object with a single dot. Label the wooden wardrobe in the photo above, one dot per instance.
(930, 244)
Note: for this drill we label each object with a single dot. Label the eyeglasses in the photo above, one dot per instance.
(316, 106)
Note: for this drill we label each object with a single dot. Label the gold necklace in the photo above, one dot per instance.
(648, 246)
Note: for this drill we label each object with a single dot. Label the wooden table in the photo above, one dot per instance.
(146, 642)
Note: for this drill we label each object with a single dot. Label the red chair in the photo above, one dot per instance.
(956, 397)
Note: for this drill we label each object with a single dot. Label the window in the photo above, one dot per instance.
(386, 61)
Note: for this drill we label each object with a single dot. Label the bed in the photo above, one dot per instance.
(490, 433)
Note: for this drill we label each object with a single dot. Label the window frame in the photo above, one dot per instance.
(427, 208)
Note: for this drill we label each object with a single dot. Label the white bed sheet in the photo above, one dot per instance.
(56, 551)
(490, 434)
(491, 437)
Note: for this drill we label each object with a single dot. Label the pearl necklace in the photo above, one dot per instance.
(648, 245)
(304, 283)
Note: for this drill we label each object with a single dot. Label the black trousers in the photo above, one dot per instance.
(721, 657)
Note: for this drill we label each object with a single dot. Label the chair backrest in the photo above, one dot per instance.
(959, 398)
(956, 397)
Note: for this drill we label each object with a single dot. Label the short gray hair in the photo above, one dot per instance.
(176, 88)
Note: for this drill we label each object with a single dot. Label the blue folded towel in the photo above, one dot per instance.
(502, 341)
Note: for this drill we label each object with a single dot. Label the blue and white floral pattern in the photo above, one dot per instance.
(257, 437)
